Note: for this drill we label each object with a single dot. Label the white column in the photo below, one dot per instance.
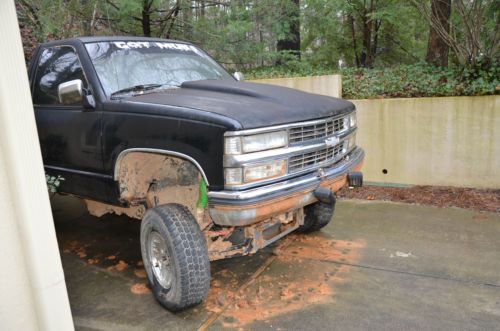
(32, 287)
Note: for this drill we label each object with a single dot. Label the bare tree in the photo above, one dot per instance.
(468, 39)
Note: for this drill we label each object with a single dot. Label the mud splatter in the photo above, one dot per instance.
(304, 276)
(219, 297)
(81, 252)
(93, 261)
(140, 288)
(316, 247)
(120, 266)
(75, 247)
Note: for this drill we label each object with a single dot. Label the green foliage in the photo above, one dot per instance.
(334, 30)
(403, 81)
(293, 68)
(419, 80)
(53, 183)
(243, 35)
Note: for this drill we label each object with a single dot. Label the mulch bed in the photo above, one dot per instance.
(476, 199)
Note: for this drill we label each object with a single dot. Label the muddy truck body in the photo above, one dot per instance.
(213, 167)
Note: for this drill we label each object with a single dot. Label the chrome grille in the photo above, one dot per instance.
(317, 131)
(304, 161)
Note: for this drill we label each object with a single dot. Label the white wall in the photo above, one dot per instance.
(32, 287)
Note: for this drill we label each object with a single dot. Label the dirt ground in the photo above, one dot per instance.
(378, 266)
(475, 199)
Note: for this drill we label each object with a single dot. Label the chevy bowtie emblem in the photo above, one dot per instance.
(332, 141)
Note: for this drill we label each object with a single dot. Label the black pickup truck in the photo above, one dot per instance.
(213, 167)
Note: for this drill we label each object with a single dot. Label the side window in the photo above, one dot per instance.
(56, 65)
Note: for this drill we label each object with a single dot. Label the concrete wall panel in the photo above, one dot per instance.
(330, 85)
(422, 141)
(431, 141)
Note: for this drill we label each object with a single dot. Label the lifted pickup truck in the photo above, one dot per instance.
(214, 167)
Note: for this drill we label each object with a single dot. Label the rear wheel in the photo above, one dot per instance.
(317, 216)
(175, 256)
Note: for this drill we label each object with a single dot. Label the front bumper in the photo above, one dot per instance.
(240, 208)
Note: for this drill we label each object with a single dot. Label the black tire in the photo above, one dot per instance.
(172, 229)
(316, 216)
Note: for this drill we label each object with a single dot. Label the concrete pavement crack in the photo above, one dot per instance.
(214, 316)
(458, 280)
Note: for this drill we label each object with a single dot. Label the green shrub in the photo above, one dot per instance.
(403, 81)
(53, 183)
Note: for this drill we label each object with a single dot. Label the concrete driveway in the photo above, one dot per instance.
(379, 265)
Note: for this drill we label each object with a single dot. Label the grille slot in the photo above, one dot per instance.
(317, 131)
(304, 161)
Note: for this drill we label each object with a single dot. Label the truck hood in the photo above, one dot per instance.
(253, 105)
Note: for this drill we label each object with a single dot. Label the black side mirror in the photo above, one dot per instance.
(88, 99)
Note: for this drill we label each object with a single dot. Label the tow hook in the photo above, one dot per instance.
(355, 179)
(325, 195)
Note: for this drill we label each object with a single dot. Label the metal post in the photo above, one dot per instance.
(32, 287)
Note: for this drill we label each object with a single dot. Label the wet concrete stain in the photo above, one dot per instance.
(318, 289)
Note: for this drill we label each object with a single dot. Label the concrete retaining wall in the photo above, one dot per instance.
(423, 141)
(330, 85)
(431, 141)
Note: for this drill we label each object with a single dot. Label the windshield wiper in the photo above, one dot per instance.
(136, 88)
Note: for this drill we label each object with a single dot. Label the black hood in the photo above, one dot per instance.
(253, 105)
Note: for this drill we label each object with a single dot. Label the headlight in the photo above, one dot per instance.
(236, 176)
(255, 143)
(352, 119)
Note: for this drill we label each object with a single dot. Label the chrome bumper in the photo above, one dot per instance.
(238, 208)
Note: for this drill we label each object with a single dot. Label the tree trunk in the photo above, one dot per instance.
(437, 48)
(292, 41)
(146, 18)
(366, 54)
(353, 35)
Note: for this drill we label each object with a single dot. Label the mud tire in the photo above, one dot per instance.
(189, 266)
(317, 216)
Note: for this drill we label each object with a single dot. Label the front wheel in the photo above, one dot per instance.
(175, 256)
(316, 216)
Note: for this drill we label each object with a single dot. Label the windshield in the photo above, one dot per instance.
(123, 65)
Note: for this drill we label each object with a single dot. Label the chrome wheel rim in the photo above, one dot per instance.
(160, 260)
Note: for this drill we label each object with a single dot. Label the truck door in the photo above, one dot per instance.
(70, 134)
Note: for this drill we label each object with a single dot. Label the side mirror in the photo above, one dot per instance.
(70, 92)
(239, 76)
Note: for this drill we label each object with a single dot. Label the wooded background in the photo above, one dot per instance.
(325, 35)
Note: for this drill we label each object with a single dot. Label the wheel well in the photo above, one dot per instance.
(156, 178)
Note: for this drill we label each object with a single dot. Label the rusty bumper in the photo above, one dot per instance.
(240, 208)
